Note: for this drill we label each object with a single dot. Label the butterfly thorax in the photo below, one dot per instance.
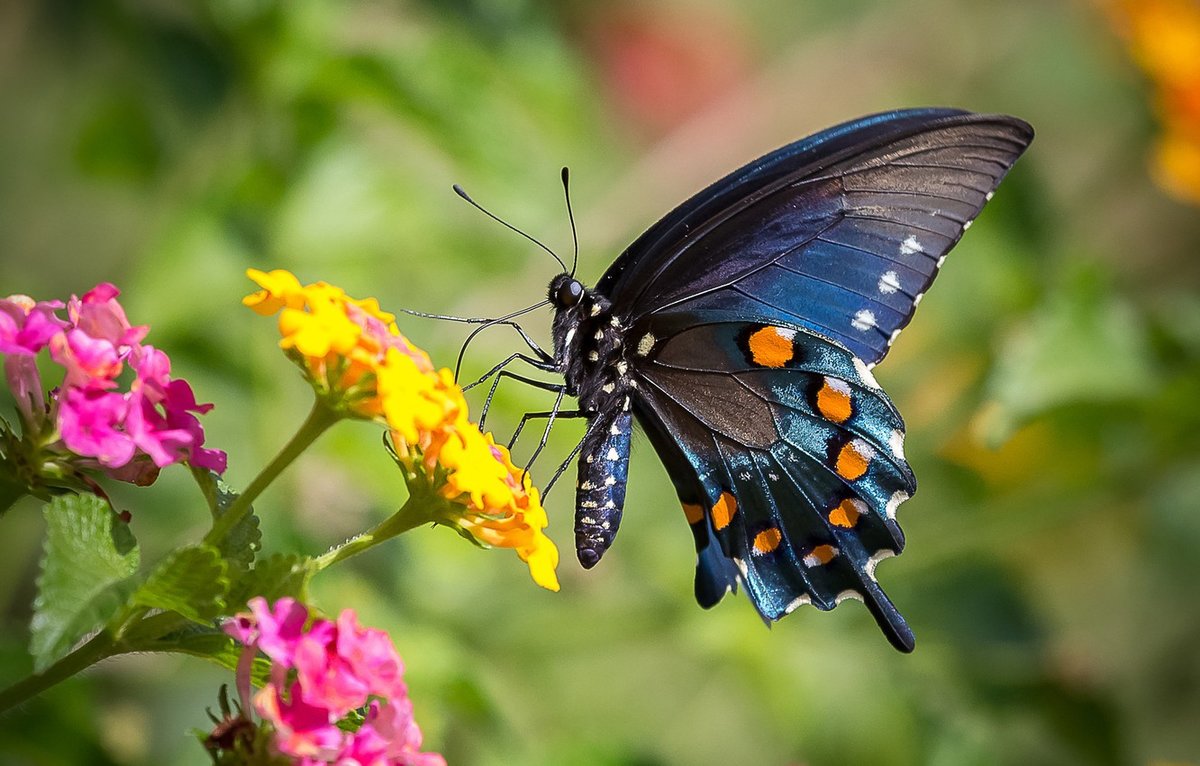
(589, 352)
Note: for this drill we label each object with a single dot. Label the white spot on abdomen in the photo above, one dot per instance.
(645, 344)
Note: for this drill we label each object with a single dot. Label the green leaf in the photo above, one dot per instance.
(210, 644)
(1085, 345)
(191, 581)
(243, 541)
(87, 574)
(274, 577)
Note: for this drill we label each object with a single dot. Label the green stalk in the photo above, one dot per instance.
(100, 647)
(319, 419)
(412, 514)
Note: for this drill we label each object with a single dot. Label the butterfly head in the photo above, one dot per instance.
(565, 291)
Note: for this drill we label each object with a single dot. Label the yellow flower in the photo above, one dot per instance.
(1164, 38)
(360, 365)
(493, 500)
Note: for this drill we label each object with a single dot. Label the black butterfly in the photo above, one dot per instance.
(739, 331)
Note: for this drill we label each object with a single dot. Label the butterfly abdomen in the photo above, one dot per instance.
(600, 496)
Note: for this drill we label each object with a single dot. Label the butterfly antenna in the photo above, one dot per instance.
(447, 317)
(459, 191)
(490, 323)
(566, 175)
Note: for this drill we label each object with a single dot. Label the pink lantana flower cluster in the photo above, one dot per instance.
(323, 673)
(129, 430)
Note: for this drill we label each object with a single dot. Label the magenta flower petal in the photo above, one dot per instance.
(88, 420)
(281, 627)
(100, 315)
(21, 373)
(327, 679)
(89, 361)
(371, 655)
(27, 326)
(301, 729)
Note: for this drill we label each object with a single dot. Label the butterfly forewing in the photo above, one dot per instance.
(845, 244)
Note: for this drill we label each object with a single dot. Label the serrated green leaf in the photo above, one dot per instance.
(88, 572)
(210, 644)
(191, 581)
(243, 541)
(272, 578)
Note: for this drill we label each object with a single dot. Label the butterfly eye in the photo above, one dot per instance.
(569, 293)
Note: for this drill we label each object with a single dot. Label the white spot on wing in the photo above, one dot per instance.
(889, 283)
(896, 442)
(622, 367)
(873, 562)
(941, 261)
(864, 372)
(793, 606)
(989, 196)
(864, 320)
(895, 334)
(599, 335)
(594, 356)
(910, 246)
(609, 481)
(612, 454)
(848, 593)
(967, 225)
(607, 388)
(917, 299)
(894, 503)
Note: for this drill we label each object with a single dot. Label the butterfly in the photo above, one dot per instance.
(739, 333)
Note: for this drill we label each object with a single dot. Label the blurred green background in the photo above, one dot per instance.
(1051, 382)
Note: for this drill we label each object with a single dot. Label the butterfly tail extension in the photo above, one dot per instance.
(600, 495)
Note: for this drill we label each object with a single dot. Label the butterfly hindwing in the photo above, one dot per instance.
(842, 232)
(788, 458)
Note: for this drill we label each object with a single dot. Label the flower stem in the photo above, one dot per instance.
(100, 647)
(319, 418)
(412, 514)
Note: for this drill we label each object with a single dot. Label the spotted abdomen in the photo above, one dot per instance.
(600, 497)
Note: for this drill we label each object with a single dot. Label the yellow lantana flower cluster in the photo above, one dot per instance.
(1164, 38)
(359, 364)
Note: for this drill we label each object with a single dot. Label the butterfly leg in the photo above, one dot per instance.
(487, 403)
(550, 416)
(535, 363)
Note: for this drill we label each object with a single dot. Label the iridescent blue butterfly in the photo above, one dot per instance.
(739, 332)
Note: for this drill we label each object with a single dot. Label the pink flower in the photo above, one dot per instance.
(99, 315)
(26, 326)
(329, 669)
(160, 415)
(90, 362)
(88, 419)
(370, 654)
(301, 729)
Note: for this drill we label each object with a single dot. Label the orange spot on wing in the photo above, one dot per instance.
(767, 540)
(693, 512)
(833, 401)
(772, 346)
(723, 511)
(852, 460)
(846, 514)
(820, 555)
